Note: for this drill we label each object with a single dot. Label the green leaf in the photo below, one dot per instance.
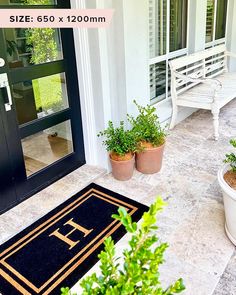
(137, 273)
(118, 140)
(231, 158)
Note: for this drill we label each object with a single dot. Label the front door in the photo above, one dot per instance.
(40, 120)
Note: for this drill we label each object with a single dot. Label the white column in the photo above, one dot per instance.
(197, 25)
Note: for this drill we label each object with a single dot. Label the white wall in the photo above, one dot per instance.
(136, 24)
(197, 20)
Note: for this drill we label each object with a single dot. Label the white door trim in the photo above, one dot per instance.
(85, 89)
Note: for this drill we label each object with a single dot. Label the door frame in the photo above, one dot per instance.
(8, 193)
(26, 187)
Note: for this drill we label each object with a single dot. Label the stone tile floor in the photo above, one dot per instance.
(193, 221)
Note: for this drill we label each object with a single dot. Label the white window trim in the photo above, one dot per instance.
(214, 25)
(216, 42)
(164, 57)
(169, 55)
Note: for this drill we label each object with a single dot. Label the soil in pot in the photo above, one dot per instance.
(146, 145)
(230, 179)
(122, 166)
(125, 157)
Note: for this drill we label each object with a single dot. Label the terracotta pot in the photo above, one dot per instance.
(149, 161)
(123, 170)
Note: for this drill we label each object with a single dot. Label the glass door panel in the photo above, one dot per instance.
(41, 97)
(27, 47)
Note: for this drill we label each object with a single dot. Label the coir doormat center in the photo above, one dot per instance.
(62, 246)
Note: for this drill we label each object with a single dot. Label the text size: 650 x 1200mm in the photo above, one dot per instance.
(60, 19)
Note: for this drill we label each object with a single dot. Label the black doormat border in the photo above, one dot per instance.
(78, 268)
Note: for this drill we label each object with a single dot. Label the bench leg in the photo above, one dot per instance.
(215, 114)
(174, 116)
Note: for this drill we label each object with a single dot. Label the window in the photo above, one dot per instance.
(215, 20)
(167, 39)
(178, 24)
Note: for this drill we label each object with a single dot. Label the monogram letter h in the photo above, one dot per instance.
(65, 238)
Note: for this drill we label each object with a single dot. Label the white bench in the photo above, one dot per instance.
(201, 80)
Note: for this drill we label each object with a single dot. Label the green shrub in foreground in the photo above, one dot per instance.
(139, 272)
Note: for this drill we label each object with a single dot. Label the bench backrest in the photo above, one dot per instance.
(208, 63)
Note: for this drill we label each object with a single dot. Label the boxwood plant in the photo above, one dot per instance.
(146, 126)
(118, 140)
(137, 273)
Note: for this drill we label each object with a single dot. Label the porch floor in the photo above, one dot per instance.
(193, 221)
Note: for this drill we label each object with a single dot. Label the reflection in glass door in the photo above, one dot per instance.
(43, 126)
(46, 147)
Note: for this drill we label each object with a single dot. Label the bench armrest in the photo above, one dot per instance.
(213, 82)
(231, 54)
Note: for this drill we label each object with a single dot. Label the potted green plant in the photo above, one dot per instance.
(121, 145)
(227, 182)
(139, 271)
(150, 137)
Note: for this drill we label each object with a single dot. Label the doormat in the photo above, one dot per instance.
(58, 249)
